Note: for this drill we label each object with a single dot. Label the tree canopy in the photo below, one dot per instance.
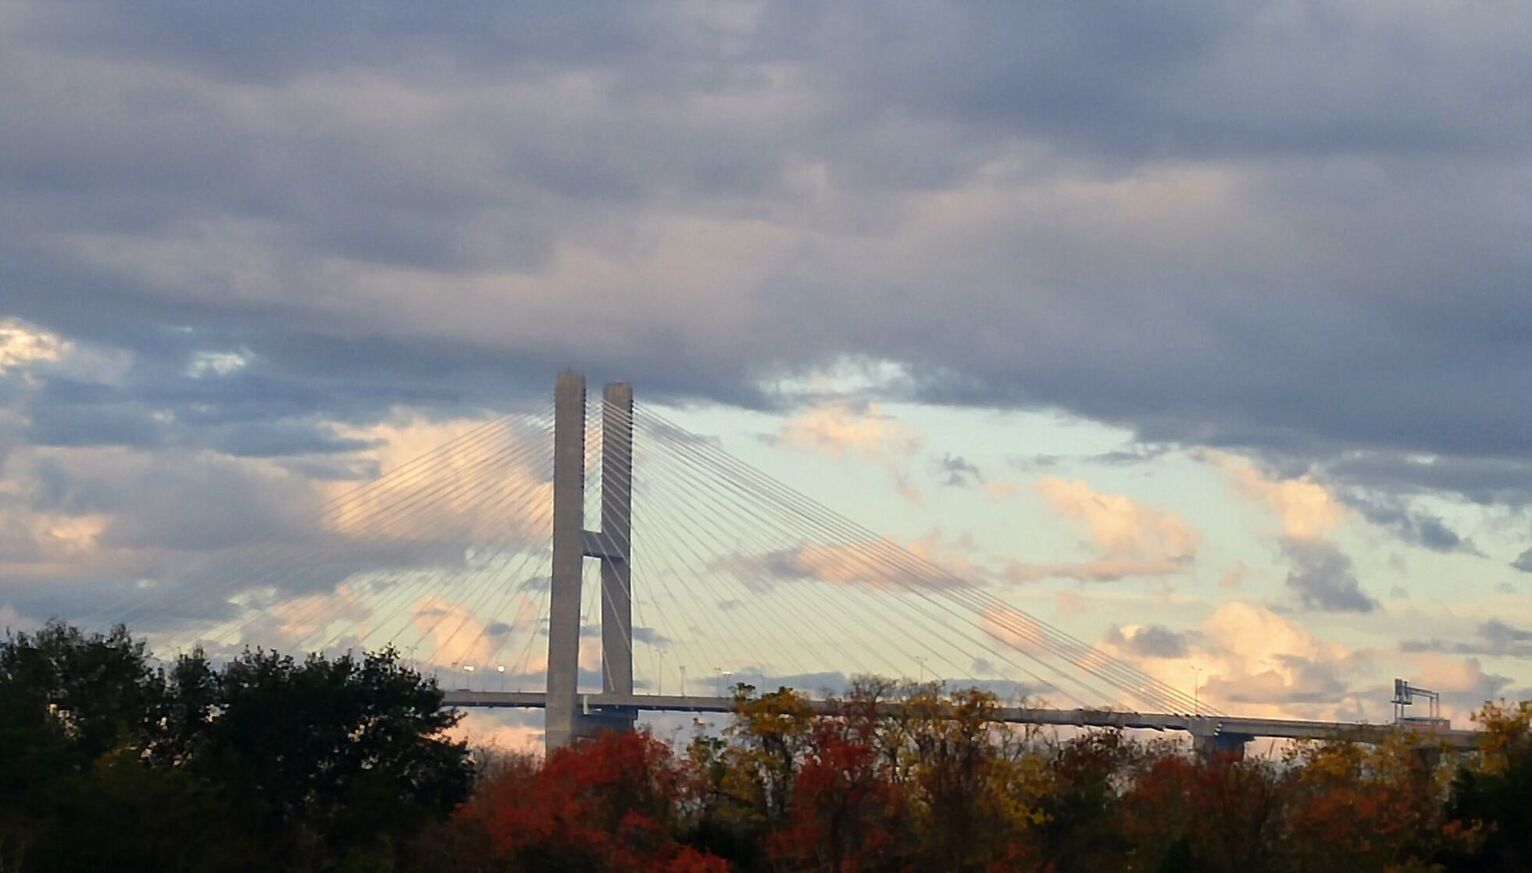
(263, 762)
(110, 761)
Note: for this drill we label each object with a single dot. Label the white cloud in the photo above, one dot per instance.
(1130, 539)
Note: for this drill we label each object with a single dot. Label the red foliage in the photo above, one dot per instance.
(612, 803)
(844, 809)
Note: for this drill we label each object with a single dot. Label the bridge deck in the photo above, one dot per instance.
(1202, 726)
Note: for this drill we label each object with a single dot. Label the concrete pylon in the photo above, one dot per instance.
(617, 535)
(562, 713)
(567, 717)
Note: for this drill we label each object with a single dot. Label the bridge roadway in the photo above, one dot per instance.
(1228, 728)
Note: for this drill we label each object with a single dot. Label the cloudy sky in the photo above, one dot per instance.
(1198, 328)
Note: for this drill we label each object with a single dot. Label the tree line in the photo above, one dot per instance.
(265, 762)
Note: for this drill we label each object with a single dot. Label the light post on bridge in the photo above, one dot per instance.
(500, 668)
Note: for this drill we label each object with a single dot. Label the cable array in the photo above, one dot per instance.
(425, 557)
(736, 576)
(869, 586)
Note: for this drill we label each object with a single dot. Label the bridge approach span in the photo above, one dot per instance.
(1224, 732)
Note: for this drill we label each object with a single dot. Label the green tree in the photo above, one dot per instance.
(266, 763)
(98, 691)
(323, 758)
(66, 699)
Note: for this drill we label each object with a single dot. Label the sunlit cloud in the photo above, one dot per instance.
(22, 345)
(498, 488)
(305, 619)
(1016, 630)
(451, 633)
(844, 429)
(1304, 508)
(495, 731)
(1130, 539)
(1320, 575)
(1247, 659)
(867, 564)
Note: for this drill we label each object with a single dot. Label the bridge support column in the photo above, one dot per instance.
(568, 717)
(562, 701)
(1218, 747)
(616, 540)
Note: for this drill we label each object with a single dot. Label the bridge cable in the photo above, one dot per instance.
(1117, 673)
(841, 561)
(125, 608)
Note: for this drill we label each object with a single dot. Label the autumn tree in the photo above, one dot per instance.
(618, 802)
(846, 812)
(1489, 811)
(770, 734)
(1365, 806)
(974, 784)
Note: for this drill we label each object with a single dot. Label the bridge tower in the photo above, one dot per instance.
(567, 719)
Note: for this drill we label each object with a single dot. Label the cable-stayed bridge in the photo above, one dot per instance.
(581, 569)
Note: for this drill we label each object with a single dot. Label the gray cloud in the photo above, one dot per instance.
(1179, 219)
(1322, 577)
(1152, 641)
(1494, 637)
(1419, 528)
(1482, 480)
(642, 634)
(257, 165)
(536, 583)
(1139, 453)
(1523, 562)
(650, 636)
(957, 472)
